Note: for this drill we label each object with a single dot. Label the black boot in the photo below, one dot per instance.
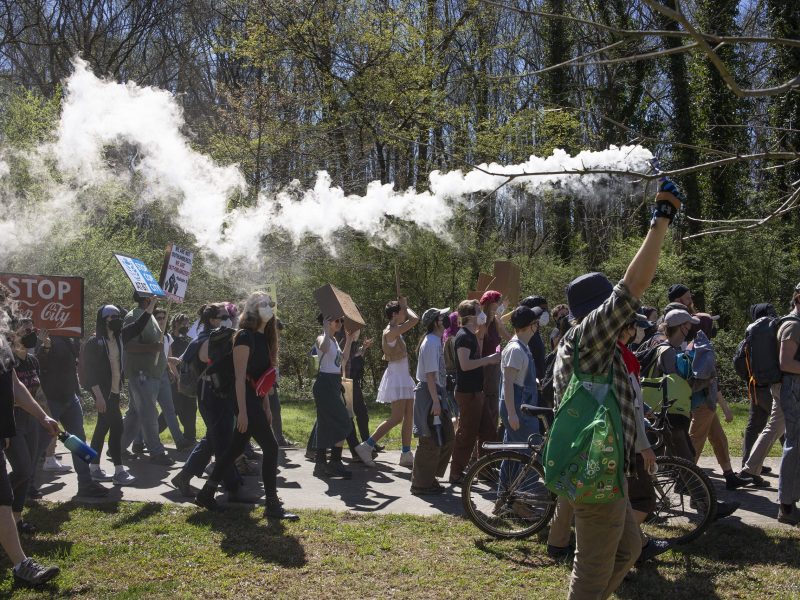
(205, 498)
(273, 509)
(181, 483)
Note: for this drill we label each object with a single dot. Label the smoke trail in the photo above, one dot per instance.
(98, 115)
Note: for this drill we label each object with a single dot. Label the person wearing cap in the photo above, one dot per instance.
(705, 424)
(607, 535)
(789, 359)
(430, 408)
(518, 376)
(104, 378)
(397, 386)
(494, 332)
(476, 422)
(536, 344)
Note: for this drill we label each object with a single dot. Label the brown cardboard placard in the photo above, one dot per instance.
(507, 281)
(335, 303)
(484, 281)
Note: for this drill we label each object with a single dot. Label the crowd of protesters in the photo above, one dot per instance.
(475, 367)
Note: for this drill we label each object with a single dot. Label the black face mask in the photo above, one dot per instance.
(115, 325)
(183, 330)
(29, 340)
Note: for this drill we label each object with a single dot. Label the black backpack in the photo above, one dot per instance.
(740, 360)
(761, 342)
(220, 368)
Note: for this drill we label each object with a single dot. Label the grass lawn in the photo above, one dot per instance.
(299, 416)
(134, 550)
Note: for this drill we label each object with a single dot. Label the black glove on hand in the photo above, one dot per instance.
(669, 199)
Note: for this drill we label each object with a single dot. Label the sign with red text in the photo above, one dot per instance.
(52, 302)
(175, 272)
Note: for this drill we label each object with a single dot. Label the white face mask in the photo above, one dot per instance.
(501, 309)
(481, 318)
(637, 339)
(265, 312)
(544, 319)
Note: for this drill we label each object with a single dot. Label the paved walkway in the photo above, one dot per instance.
(384, 489)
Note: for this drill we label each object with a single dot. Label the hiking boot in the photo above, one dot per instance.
(93, 490)
(726, 509)
(99, 475)
(273, 509)
(651, 549)
(162, 459)
(123, 478)
(137, 448)
(35, 494)
(205, 499)
(433, 490)
(364, 451)
(407, 459)
(181, 483)
(339, 470)
(790, 515)
(559, 552)
(53, 465)
(31, 573)
(733, 481)
(755, 480)
(321, 470)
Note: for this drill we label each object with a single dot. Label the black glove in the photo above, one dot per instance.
(669, 199)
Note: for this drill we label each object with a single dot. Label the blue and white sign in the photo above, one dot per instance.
(140, 276)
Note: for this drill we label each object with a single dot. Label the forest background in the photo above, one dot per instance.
(390, 90)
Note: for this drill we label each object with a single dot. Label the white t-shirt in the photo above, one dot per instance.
(514, 356)
(431, 359)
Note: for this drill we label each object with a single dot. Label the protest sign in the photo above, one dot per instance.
(52, 302)
(335, 304)
(140, 276)
(175, 272)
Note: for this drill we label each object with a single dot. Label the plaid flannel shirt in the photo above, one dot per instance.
(598, 338)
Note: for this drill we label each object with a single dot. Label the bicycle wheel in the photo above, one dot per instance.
(504, 496)
(685, 501)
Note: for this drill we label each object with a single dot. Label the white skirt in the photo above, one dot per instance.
(396, 383)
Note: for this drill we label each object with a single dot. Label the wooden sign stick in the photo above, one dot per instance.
(397, 280)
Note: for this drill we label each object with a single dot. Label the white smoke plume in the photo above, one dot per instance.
(98, 114)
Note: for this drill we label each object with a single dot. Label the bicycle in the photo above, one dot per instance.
(503, 492)
(686, 503)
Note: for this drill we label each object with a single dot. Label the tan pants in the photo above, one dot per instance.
(431, 460)
(561, 525)
(706, 426)
(607, 544)
(768, 436)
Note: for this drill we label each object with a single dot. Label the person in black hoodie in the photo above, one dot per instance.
(104, 377)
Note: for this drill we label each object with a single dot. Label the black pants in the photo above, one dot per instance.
(186, 410)
(109, 422)
(277, 422)
(360, 411)
(21, 454)
(259, 429)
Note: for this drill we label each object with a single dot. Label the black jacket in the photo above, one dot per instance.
(59, 369)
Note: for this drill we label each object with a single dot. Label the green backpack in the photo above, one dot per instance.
(655, 390)
(584, 455)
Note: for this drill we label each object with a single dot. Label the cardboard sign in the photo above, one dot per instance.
(175, 272)
(506, 281)
(334, 303)
(52, 302)
(140, 276)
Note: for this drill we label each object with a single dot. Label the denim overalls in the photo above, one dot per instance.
(526, 394)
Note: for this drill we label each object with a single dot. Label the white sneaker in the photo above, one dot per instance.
(52, 464)
(407, 459)
(100, 475)
(123, 478)
(364, 451)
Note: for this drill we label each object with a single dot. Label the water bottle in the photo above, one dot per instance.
(78, 447)
(438, 431)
